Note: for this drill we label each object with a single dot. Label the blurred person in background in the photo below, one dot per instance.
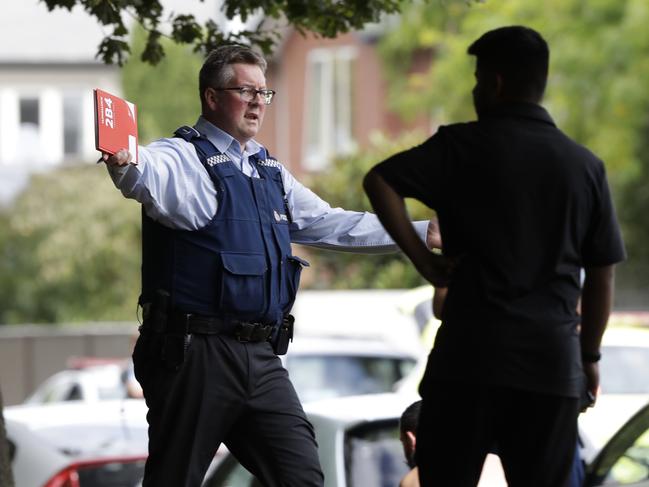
(408, 436)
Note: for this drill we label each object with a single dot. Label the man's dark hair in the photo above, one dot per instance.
(520, 55)
(410, 418)
(216, 70)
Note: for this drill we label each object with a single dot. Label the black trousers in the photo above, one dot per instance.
(535, 435)
(225, 392)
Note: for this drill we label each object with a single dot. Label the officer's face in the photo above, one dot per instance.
(241, 119)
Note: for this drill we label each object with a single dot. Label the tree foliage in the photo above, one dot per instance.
(69, 250)
(177, 75)
(596, 91)
(340, 185)
(324, 17)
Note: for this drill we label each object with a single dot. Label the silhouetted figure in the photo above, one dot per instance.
(521, 208)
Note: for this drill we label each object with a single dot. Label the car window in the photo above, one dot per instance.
(374, 455)
(624, 370)
(326, 376)
(73, 394)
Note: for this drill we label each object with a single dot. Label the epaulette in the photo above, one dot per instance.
(186, 132)
(217, 159)
(270, 162)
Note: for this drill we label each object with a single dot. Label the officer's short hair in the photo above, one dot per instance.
(410, 418)
(519, 54)
(216, 70)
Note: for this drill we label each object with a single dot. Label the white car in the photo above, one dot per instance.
(319, 367)
(78, 444)
(358, 443)
(89, 383)
(624, 460)
(359, 446)
(624, 384)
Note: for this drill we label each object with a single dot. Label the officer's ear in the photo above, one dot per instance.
(211, 98)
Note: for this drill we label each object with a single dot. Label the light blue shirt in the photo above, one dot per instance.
(176, 190)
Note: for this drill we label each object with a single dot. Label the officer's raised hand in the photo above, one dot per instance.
(120, 158)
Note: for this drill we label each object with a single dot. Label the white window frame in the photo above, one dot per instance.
(334, 126)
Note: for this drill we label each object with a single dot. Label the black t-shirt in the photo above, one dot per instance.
(525, 208)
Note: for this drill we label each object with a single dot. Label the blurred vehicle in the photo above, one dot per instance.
(624, 384)
(326, 367)
(74, 444)
(624, 460)
(319, 367)
(358, 445)
(85, 382)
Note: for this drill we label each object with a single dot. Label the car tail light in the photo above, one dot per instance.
(66, 478)
(108, 472)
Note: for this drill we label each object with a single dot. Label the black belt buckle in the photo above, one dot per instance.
(252, 332)
(243, 332)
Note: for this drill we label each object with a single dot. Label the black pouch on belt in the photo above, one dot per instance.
(284, 335)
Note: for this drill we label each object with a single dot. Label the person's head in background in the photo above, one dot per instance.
(408, 431)
(511, 66)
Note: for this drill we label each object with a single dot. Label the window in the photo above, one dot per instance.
(29, 141)
(72, 125)
(29, 111)
(374, 455)
(328, 106)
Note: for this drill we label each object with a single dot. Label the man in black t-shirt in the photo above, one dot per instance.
(521, 208)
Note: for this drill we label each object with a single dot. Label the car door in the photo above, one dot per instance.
(624, 460)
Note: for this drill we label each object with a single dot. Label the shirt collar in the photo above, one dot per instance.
(223, 141)
(519, 110)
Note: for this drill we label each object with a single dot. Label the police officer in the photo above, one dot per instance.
(219, 279)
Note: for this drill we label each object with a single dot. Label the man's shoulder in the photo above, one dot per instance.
(577, 153)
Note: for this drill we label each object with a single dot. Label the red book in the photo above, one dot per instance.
(115, 124)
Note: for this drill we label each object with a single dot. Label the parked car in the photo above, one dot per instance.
(624, 383)
(319, 367)
(358, 445)
(86, 379)
(624, 460)
(74, 444)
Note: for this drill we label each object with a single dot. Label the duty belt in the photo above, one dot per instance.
(243, 331)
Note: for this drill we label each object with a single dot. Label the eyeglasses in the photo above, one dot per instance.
(248, 94)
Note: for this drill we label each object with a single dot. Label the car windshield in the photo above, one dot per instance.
(326, 376)
(624, 370)
(374, 455)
